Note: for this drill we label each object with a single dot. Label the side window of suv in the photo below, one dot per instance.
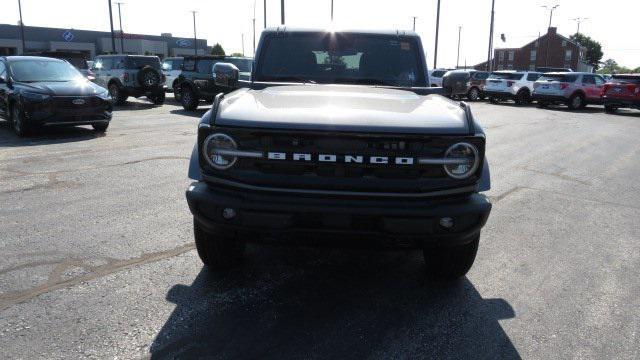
(589, 80)
(3, 71)
(118, 63)
(533, 76)
(106, 63)
(189, 65)
(204, 67)
(599, 80)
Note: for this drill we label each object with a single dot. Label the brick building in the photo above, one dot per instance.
(562, 53)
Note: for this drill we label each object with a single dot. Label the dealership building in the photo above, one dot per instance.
(92, 43)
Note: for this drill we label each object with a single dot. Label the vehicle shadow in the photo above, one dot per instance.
(590, 109)
(311, 303)
(135, 105)
(195, 113)
(45, 136)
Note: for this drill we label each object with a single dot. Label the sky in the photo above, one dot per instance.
(613, 22)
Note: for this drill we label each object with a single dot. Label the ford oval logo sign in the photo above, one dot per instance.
(68, 35)
(183, 42)
(78, 102)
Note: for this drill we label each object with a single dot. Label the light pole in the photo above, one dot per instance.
(242, 43)
(489, 62)
(195, 37)
(458, 57)
(551, 9)
(282, 12)
(21, 26)
(331, 10)
(414, 23)
(254, 27)
(435, 52)
(579, 20)
(265, 14)
(113, 38)
(121, 30)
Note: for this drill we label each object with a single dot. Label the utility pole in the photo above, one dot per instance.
(113, 38)
(579, 21)
(121, 30)
(331, 10)
(414, 23)
(458, 57)
(551, 9)
(489, 62)
(242, 43)
(21, 26)
(282, 12)
(435, 52)
(254, 28)
(265, 14)
(195, 37)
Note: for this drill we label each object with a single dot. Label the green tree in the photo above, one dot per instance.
(217, 50)
(594, 49)
(237, 54)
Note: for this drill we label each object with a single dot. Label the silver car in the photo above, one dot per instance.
(576, 90)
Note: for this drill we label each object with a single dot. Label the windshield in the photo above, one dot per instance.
(138, 62)
(342, 58)
(438, 73)
(244, 65)
(79, 63)
(43, 70)
(481, 75)
(506, 76)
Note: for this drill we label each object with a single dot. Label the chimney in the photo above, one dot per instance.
(552, 31)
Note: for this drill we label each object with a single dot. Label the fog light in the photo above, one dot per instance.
(446, 222)
(228, 213)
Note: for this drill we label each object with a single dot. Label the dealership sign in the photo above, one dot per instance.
(183, 42)
(68, 35)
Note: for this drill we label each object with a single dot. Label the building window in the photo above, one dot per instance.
(501, 55)
(500, 67)
(534, 53)
(567, 55)
(511, 54)
(532, 67)
(564, 43)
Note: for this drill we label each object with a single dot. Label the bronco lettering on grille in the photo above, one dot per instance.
(347, 159)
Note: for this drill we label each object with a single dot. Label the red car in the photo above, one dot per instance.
(622, 91)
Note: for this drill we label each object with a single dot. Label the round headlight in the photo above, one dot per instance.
(215, 146)
(462, 160)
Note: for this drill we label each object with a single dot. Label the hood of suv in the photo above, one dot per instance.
(342, 108)
(67, 88)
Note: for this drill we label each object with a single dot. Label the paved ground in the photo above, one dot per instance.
(98, 261)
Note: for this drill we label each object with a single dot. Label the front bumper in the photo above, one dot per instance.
(57, 112)
(339, 221)
(502, 95)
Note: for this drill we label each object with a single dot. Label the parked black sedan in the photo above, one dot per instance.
(40, 91)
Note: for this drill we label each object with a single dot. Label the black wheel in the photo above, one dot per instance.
(149, 78)
(493, 100)
(473, 94)
(176, 93)
(20, 125)
(450, 263)
(216, 250)
(158, 99)
(576, 101)
(117, 95)
(543, 104)
(610, 109)
(523, 97)
(189, 98)
(100, 127)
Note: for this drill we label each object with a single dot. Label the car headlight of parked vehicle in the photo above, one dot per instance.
(29, 96)
(219, 151)
(461, 160)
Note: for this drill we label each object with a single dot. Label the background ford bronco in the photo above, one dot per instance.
(338, 137)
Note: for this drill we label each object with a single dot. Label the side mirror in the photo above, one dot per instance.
(226, 75)
(456, 82)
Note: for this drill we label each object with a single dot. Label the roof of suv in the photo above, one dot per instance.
(285, 29)
(22, 57)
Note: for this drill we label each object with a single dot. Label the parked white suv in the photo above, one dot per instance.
(172, 68)
(511, 85)
(435, 77)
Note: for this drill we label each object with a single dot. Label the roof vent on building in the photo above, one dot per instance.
(168, 35)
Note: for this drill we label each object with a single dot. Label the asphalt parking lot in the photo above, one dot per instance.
(98, 257)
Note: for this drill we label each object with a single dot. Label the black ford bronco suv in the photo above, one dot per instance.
(338, 140)
(196, 81)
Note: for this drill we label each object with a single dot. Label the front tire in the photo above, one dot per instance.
(523, 97)
(450, 263)
(20, 125)
(100, 127)
(117, 95)
(474, 94)
(217, 250)
(576, 101)
(189, 98)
